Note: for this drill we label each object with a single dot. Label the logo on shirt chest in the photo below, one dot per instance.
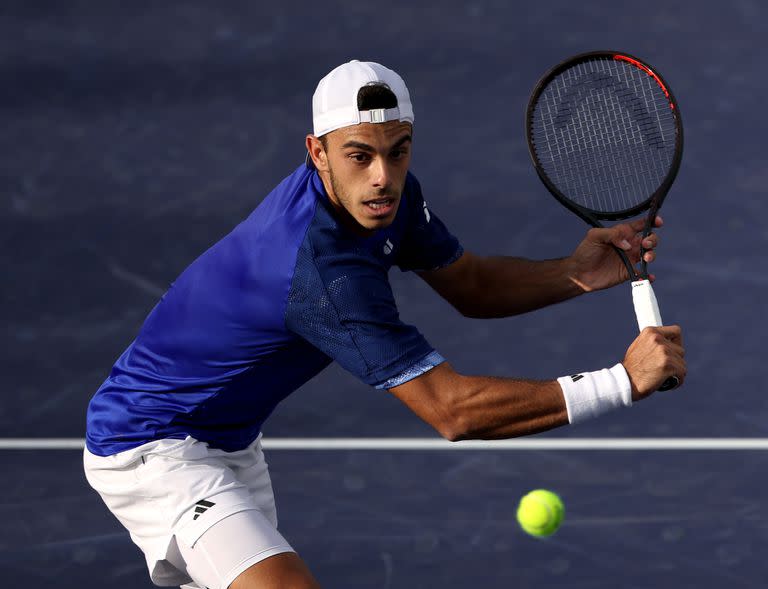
(388, 247)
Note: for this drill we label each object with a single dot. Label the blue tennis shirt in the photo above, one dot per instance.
(265, 309)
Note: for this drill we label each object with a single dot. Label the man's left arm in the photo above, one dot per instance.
(499, 286)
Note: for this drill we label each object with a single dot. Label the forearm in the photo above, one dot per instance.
(480, 407)
(466, 407)
(498, 408)
(504, 286)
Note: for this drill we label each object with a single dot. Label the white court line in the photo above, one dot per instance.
(519, 444)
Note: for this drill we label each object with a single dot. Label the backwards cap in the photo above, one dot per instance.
(334, 104)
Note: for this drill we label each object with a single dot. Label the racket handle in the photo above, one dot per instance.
(646, 307)
(648, 315)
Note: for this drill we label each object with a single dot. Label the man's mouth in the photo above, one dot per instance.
(380, 205)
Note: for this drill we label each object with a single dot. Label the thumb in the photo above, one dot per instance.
(618, 235)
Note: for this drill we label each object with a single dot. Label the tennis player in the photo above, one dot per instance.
(173, 434)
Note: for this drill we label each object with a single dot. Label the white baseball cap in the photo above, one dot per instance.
(334, 104)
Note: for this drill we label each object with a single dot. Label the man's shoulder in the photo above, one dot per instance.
(289, 207)
(265, 243)
(301, 184)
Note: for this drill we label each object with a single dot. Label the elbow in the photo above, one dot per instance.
(469, 311)
(456, 436)
(466, 304)
(452, 435)
(455, 429)
(476, 309)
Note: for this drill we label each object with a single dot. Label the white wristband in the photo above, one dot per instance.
(589, 394)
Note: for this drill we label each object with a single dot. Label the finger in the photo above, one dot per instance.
(651, 242)
(621, 236)
(675, 369)
(638, 225)
(611, 236)
(679, 371)
(676, 348)
(649, 257)
(648, 243)
(671, 332)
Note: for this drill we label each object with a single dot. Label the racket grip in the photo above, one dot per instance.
(648, 315)
(646, 307)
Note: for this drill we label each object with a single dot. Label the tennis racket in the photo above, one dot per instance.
(605, 136)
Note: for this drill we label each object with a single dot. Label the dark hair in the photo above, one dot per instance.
(375, 95)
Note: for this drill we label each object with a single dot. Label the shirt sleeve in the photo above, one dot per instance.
(342, 303)
(427, 245)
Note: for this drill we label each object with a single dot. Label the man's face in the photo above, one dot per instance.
(364, 169)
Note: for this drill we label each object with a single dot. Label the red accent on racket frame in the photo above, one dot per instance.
(648, 71)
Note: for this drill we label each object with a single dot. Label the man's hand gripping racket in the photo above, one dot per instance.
(605, 136)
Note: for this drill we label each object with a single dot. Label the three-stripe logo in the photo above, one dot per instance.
(201, 507)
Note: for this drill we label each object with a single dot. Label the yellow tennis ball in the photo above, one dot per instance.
(540, 512)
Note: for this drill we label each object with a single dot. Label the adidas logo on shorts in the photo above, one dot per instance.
(201, 507)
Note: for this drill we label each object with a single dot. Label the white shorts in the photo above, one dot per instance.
(173, 497)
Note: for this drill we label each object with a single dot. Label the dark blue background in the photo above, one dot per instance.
(133, 136)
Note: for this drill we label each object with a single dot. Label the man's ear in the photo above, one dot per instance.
(317, 153)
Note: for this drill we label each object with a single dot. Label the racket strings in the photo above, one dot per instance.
(604, 133)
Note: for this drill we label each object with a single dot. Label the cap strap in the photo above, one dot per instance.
(380, 115)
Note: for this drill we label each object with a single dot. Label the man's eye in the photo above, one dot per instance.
(359, 157)
(399, 153)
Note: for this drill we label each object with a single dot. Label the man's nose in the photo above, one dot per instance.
(380, 173)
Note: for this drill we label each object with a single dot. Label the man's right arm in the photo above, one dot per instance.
(463, 407)
(476, 407)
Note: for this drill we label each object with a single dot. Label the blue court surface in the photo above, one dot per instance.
(133, 136)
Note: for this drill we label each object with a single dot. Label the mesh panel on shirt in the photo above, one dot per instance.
(342, 303)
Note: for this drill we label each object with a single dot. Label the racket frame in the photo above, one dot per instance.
(653, 203)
